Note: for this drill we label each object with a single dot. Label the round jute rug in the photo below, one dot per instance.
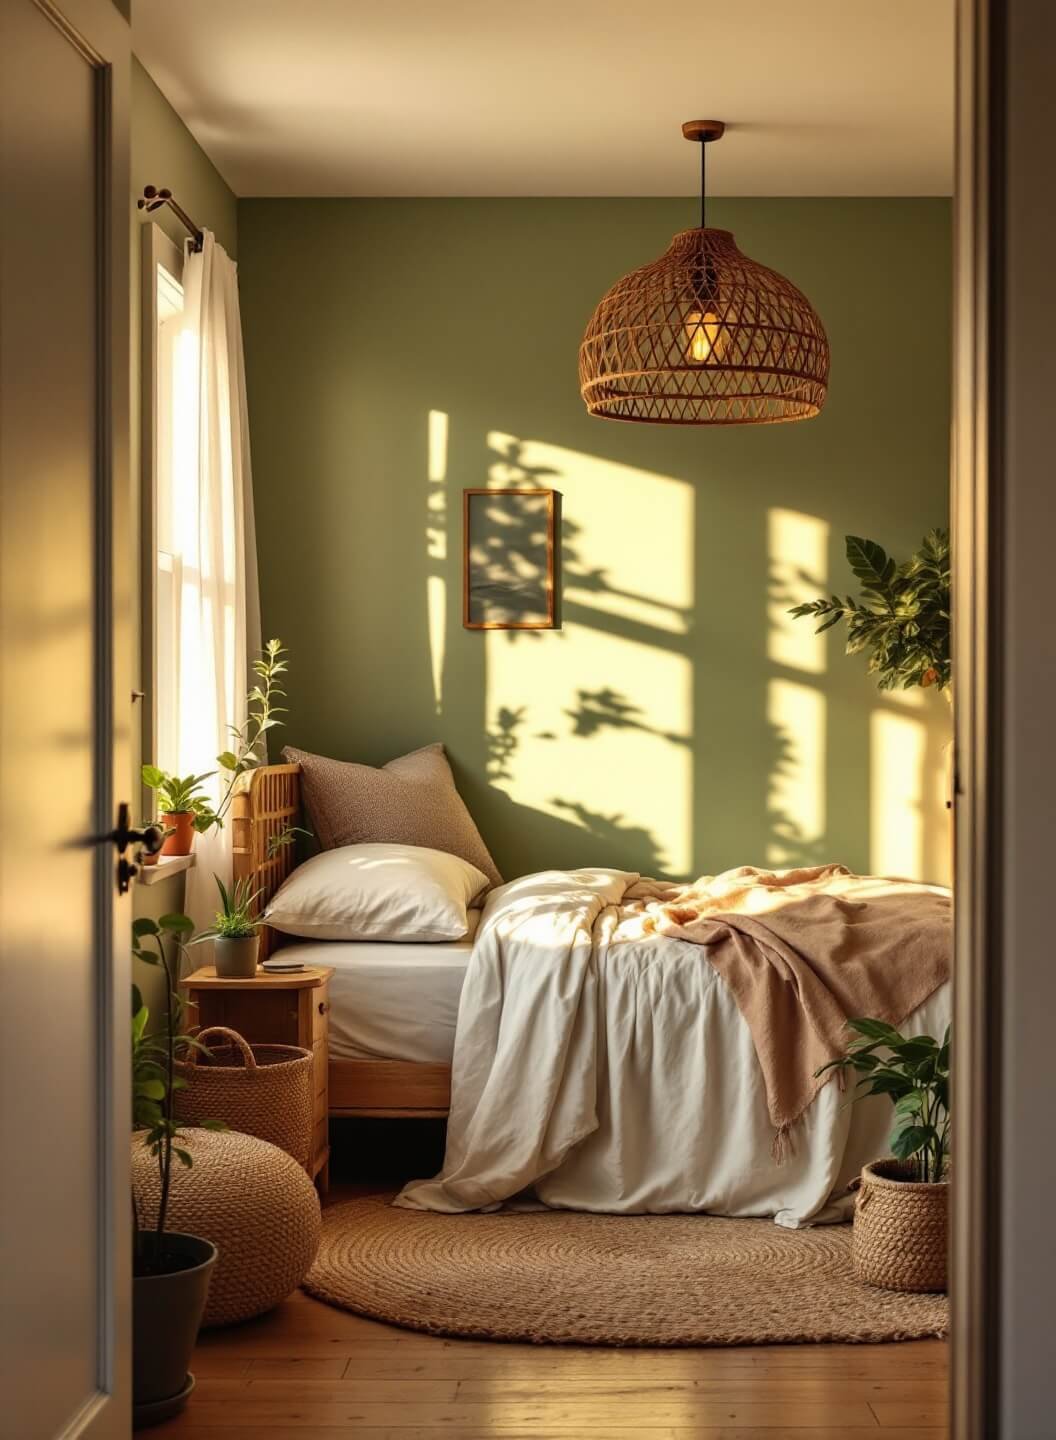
(562, 1278)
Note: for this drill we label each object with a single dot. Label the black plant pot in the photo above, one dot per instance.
(166, 1313)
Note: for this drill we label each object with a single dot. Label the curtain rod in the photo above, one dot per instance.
(153, 198)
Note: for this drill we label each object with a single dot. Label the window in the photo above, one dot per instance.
(167, 577)
(169, 489)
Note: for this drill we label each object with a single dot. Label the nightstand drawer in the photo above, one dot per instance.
(320, 1013)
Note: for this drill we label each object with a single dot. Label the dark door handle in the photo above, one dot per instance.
(151, 837)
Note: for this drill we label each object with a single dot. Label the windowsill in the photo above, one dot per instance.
(166, 867)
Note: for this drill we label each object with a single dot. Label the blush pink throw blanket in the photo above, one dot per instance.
(804, 951)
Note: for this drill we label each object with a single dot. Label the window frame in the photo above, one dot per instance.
(158, 251)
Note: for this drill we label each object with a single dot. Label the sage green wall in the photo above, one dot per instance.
(664, 727)
(163, 153)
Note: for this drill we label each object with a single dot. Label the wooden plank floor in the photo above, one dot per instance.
(310, 1370)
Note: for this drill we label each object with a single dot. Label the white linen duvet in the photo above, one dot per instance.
(597, 1069)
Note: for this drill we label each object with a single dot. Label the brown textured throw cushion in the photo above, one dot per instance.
(409, 801)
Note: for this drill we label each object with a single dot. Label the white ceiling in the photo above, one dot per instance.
(559, 97)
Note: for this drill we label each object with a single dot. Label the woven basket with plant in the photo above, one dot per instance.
(901, 1216)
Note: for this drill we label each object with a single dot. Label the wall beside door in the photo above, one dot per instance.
(398, 351)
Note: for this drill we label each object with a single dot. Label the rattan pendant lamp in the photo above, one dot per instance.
(704, 335)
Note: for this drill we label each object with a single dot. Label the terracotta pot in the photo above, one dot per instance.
(146, 858)
(236, 959)
(166, 1313)
(181, 841)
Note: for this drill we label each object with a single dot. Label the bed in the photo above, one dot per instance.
(566, 976)
(378, 1069)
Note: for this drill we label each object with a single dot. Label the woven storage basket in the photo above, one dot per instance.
(261, 1090)
(900, 1229)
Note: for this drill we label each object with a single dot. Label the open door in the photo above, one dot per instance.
(64, 717)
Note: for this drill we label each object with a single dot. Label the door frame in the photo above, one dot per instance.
(1004, 658)
(976, 660)
(101, 34)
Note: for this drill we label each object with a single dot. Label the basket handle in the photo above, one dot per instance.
(234, 1037)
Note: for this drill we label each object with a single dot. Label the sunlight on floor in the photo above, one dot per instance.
(592, 722)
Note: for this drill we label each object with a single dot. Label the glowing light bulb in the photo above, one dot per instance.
(702, 328)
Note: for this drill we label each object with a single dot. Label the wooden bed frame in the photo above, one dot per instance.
(260, 814)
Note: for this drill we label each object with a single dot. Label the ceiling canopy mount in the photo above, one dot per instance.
(704, 130)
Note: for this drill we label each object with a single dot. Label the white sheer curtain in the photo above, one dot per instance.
(218, 621)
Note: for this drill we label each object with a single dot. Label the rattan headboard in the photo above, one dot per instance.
(260, 814)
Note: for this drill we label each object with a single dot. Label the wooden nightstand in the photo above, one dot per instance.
(276, 1010)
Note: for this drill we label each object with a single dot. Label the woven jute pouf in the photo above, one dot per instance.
(900, 1230)
(254, 1203)
(562, 1278)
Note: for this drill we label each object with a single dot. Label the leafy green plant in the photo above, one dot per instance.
(234, 920)
(248, 750)
(915, 1074)
(159, 943)
(284, 837)
(181, 796)
(249, 740)
(903, 617)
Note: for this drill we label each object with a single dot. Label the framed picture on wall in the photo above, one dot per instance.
(508, 559)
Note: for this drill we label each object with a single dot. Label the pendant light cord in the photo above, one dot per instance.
(703, 181)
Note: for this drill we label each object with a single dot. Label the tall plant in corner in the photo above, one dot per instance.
(154, 1079)
(903, 615)
(171, 1271)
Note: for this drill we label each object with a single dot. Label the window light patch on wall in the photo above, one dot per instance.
(593, 722)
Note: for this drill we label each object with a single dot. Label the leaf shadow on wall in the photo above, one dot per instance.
(615, 839)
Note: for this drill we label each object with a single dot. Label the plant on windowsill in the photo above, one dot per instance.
(900, 1219)
(234, 931)
(171, 1271)
(183, 805)
(903, 617)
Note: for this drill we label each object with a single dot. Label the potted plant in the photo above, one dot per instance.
(182, 802)
(901, 1215)
(903, 617)
(171, 1271)
(184, 807)
(234, 931)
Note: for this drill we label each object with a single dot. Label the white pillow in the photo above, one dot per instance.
(377, 892)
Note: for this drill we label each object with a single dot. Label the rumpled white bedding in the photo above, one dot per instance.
(611, 1074)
